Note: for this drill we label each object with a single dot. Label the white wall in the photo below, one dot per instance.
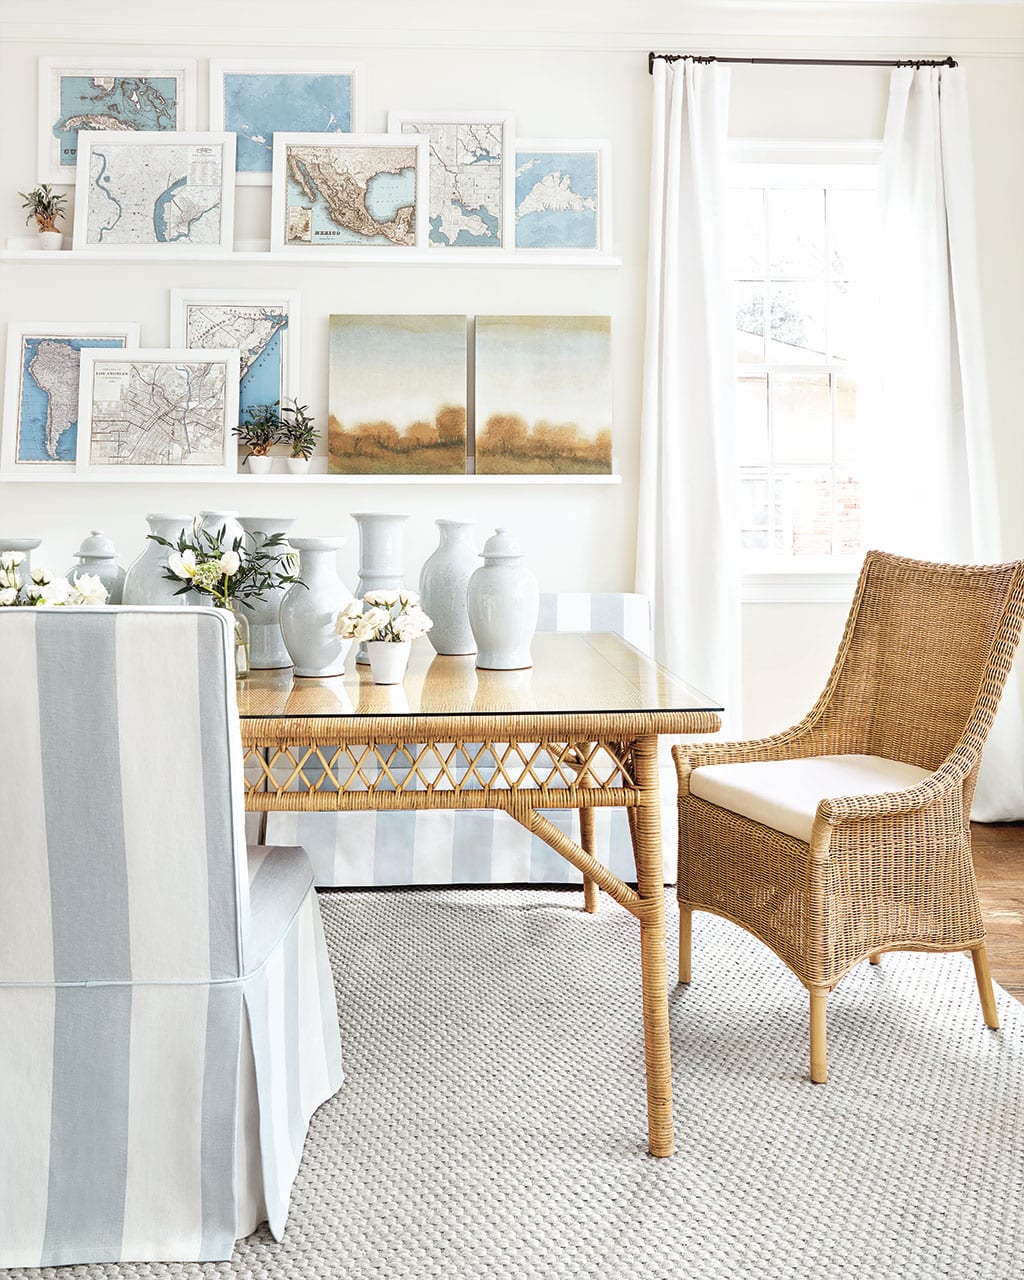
(571, 69)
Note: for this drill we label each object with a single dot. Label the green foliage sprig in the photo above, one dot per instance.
(297, 430)
(199, 562)
(45, 205)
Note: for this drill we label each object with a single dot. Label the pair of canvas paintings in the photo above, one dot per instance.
(400, 390)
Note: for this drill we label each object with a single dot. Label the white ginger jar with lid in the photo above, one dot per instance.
(503, 600)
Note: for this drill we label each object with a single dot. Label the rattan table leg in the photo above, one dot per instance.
(590, 889)
(645, 826)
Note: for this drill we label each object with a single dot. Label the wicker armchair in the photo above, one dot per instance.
(825, 873)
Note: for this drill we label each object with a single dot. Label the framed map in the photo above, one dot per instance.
(397, 395)
(123, 94)
(348, 190)
(543, 395)
(41, 389)
(256, 99)
(165, 193)
(471, 176)
(158, 414)
(262, 325)
(563, 195)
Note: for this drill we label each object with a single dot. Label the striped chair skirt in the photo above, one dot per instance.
(480, 846)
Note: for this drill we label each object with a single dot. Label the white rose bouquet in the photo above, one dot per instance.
(43, 587)
(392, 616)
(199, 562)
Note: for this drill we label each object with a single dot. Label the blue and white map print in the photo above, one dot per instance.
(556, 199)
(48, 396)
(122, 102)
(258, 104)
(258, 332)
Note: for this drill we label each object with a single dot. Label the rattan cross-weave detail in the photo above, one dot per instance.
(577, 731)
(917, 679)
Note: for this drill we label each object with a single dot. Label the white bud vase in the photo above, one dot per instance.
(503, 603)
(310, 608)
(266, 643)
(444, 583)
(145, 583)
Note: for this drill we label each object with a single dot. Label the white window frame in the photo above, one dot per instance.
(814, 580)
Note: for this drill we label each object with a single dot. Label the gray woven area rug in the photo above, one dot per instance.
(491, 1126)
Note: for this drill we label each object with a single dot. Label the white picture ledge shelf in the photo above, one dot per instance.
(70, 477)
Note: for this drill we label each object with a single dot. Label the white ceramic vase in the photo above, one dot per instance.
(444, 584)
(381, 555)
(98, 556)
(144, 583)
(214, 521)
(266, 643)
(503, 601)
(388, 660)
(25, 547)
(310, 608)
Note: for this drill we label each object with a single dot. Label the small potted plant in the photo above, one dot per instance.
(45, 206)
(258, 432)
(393, 620)
(299, 433)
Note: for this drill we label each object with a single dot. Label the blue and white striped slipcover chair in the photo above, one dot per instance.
(482, 846)
(167, 1015)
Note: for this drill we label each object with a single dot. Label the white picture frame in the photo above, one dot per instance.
(118, 101)
(108, 383)
(290, 146)
(57, 392)
(302, 114)
(442, 165)
(601, 150)
(208, 158)
(202, 318)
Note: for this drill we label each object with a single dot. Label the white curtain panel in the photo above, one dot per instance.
(930, 483)
(687, 532)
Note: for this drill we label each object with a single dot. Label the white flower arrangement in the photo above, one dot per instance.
(199, 563)
(43, 587)
(393, 616)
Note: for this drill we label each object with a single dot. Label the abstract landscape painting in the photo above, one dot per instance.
(543, 395)
(397, 395)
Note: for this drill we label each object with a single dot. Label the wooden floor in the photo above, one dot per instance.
(999, 866)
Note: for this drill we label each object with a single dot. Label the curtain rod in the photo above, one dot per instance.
(804, 62)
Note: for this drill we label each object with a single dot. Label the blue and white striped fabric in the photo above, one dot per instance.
(482, 846)
(167, 1028)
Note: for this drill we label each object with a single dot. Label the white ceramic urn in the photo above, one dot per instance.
(98, 556)
(145, 582)
(214, 521)
(310, 608)
(444, 584)
(266, 643)
(503, 601)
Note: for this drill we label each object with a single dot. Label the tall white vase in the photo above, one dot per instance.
(444, 581)
(144, 583)
(214, 521)
(310, 608)
(381, 555)
(266, 643)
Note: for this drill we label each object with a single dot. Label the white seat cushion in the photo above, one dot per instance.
(785, 794)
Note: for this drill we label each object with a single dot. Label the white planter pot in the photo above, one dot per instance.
(50, 240)
(503, 604)
(310, 608)
(266, 643)
(259, 465)
(388, 660)
(298, 466)
(144, 583)
(444, 582)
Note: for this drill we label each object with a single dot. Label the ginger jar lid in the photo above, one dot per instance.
(97, 546)
(501, 545)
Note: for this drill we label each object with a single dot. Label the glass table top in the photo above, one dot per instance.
(572, 673)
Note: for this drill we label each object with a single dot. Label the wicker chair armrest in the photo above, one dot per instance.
(789, 745)
(944, 784)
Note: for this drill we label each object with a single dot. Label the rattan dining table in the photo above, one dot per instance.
(579, 730)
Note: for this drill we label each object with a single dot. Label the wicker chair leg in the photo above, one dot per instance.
(984, 980)
(819, 1055)
(875, 957)
(590, 889)
(685, 943)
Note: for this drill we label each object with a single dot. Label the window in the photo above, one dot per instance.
(799, 240)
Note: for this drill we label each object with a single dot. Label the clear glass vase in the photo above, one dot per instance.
(241, 640)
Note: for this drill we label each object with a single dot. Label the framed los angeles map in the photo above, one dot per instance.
(345, 191)
(165, 193)
(41, 389)
(563, 195)
(129, 95)
(471, 177)
(261, 324)
(255, 99)
(158, 414)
